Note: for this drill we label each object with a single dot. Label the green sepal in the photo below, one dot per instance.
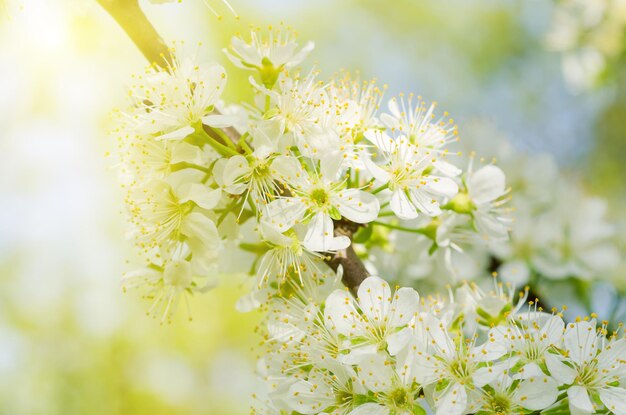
(334, 213)
(417, 409)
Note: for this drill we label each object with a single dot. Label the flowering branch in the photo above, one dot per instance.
(131, 18)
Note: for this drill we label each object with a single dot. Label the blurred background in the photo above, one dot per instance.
(548, 77)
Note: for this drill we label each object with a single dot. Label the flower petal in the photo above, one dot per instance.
(340, 314)
(487, 184)
(200, 194)
(375, 299)
(614, 399)
(370, 409)
(320, 235)
(581, 341)
(284, 213)
(453, 400)
(357, 205)
(579, 399)
(178, 134)
(559, 370)
(404, 306)
(402, 206)
(537, 393)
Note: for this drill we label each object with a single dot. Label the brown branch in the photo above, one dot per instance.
(131, 18)
(354, 272)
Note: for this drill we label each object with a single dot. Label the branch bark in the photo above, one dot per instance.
(354, 272)
(131, 18)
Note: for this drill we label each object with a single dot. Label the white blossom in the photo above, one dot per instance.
(315, 201)
(407, 171)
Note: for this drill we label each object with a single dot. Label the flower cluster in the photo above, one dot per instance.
(385, 352)
(559, 231)
(331, 183)
(165, 168)
(307, 157)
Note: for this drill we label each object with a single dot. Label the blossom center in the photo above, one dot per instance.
(320, 197)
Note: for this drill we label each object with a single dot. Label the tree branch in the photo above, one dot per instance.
(354, 272)
(131, 18)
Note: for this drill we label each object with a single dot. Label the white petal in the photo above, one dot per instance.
(438, 333)
(398, 341)
(537, 393)
(427, 368)
(581, 341)
(515, 272)
(370, 409)
(453, 400)
(331, 162)
(443, 186)
(301, 55)
(579, 399)
(221, 120)
(309, 397)
(357, 205)
(375, 299)
(320, 235)
(218, 171)
(401, 206)
(375, 170)
(284, 213)
(200, 194)
(381, 140)
(425, 203)
(559, 370)
(236, 167)
(614, 399)
(552, 330)
(487, 184)
(289, 170)
(178, 134)
(491, 350)
(273, 236)
(529, 370)
(199, 226)
(185, 152)
(490, 227)
(340, 315)
(488, 374)
(376, 372)
(404, 307)
(248, 302)
(446, 168)
(357, 353)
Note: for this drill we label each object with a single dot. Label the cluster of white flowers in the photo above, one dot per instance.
(305, 157)
(387, 352)
(589, 34)
(559, 231)
(325, 176)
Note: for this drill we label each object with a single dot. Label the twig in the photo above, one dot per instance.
(354, 272)
(131, 18)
